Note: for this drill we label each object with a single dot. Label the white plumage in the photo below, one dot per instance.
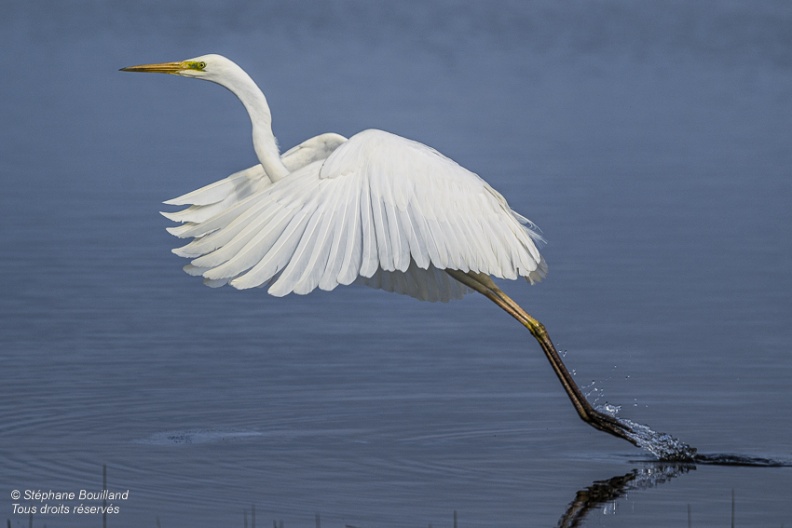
(377, 209)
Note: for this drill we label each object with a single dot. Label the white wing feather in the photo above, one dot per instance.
(381, 210)
(219, 196)
(314, 149)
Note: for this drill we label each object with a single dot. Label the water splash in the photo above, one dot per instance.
(667, 448)
(662, 445)
(609, 409)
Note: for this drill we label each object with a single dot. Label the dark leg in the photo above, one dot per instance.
(485, 286)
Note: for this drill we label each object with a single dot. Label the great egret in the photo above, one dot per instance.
(377, 209)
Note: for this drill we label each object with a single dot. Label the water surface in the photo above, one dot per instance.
(650, 144)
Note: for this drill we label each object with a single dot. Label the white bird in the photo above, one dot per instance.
(376, 209)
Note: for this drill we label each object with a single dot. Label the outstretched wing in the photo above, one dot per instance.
(383, 210)
(314, 149)
(216, 197)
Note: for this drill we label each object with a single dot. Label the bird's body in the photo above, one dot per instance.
(377, 209)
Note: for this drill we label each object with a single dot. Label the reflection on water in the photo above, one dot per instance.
(600, 496)
(601, 493)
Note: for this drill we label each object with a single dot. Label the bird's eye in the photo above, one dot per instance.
(195, 65)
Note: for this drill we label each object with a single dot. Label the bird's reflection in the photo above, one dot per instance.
(603, 492)
(649, 475)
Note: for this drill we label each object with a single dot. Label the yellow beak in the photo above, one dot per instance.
(162, 67)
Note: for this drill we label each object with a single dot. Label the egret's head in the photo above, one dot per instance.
(207, 67)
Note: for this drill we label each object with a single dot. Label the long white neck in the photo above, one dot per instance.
(264, 143)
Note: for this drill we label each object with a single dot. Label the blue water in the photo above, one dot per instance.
(650, 142)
